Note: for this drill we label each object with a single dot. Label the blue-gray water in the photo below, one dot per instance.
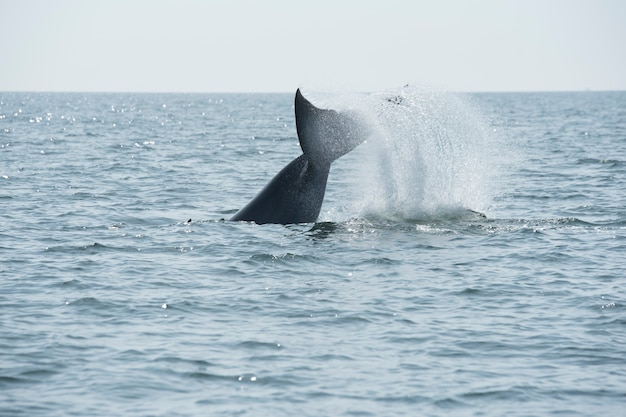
(398, 302)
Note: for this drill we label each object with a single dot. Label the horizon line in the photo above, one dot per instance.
(586, 90)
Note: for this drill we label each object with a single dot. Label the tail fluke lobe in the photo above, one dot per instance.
(326, 135)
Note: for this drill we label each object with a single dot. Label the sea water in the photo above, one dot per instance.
(470, 258)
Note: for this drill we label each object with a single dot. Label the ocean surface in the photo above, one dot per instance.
(469, 260)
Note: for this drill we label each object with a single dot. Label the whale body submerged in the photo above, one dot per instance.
(296, 193)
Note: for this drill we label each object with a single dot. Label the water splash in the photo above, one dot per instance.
(430, 155)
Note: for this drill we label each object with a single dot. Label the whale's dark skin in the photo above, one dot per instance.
(296, 193)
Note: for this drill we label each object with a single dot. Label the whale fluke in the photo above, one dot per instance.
(296, 193)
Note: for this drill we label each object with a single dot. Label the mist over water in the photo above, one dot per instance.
(431, 154)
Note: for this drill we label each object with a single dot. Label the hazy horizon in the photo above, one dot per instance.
(276, 46)
(293, 92)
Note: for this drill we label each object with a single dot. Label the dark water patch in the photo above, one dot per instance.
(612, 163)
(74, 283)
(92, 306)
(183, 362)
(87, 301)
(270, 358)
(408, 399)
(489, 347)
(131, 355)
(351, 320)
(412, 341)
(91, 249)
(38, 375)
(330, 357)
(471, 292)
(581, 356)
(28, 409)
(449, 403)
(12, 382)
(616, 322)
(520, 393)
(81, 195)
(76, 337)
(382, 261)
(215, 377)
(256, 345)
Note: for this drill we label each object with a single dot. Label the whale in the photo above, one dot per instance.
(296, 193)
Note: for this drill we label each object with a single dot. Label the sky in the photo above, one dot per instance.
(279, 45)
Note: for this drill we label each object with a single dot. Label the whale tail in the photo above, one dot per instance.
(296, 193)
(326, 135)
